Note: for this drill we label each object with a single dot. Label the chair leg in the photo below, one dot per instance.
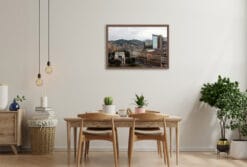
(166, 152)
(88, 146)
(79, 151)
(82, 148)
(131, 143)
(87, 143)
(114, 142)
(78, 155)
(117, 143)
(159, 148)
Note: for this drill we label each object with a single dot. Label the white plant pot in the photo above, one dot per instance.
(3, 96)
(109, 109)
(238, 149)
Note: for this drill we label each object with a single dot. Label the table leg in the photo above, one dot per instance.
(14, 149)
(177, 143)
(68, 140)
(75, 141)
(170, 129)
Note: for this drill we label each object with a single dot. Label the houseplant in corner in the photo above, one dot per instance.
(108, 106)
(212, 93)
(140, 103)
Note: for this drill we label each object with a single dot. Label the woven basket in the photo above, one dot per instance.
(42, 139)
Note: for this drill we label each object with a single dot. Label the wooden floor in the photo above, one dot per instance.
(105, 159)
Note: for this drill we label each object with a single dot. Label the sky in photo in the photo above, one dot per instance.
(139, 33)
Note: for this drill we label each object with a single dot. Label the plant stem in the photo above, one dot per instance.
(239, 133)
(221, 129)
(224, 126)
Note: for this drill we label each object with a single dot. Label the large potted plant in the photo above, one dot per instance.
(140, 102)
(238, 121)
(108, 106)
(212, 94)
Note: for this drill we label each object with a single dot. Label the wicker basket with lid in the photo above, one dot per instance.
(42, 135)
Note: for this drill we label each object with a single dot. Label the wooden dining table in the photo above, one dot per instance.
(120, 122)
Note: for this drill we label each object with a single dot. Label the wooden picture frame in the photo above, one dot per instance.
(137, 46)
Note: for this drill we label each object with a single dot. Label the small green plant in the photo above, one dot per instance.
(108, 100)
(140, 101)
(19, 98)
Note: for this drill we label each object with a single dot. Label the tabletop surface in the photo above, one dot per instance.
(118, 118)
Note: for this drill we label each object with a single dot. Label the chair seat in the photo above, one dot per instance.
(97, 131)
(95, 128)
(148, 131)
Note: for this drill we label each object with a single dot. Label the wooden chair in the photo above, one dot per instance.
(136, 134)
(159, 146)
(98, 130)
(88, 133)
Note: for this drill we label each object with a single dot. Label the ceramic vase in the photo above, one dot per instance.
(3, 96)
(14, 106)
(109, 109)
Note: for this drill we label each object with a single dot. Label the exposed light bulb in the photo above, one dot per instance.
(39, 81)
(48, 68)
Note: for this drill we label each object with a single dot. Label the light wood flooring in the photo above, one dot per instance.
(105, 159)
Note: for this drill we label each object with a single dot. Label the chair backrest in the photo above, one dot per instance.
(97, 118)
(149, 117)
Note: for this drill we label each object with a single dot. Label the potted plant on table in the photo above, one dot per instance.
(214, 95)
(140, 103)
(108, 106)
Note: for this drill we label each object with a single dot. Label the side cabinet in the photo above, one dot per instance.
(10, 128)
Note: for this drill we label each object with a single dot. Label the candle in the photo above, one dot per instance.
(44, 101)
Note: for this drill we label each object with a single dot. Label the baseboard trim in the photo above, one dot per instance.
(183, 149)
(62, 149)
(102, 149)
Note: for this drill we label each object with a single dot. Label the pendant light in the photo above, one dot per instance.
(39, 81)
(48, 68)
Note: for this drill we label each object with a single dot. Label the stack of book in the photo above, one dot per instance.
(44, 113)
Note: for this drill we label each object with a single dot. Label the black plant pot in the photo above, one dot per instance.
(223, 145)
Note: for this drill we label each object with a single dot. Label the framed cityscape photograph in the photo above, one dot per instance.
(137, 46)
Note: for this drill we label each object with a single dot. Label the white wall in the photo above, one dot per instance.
(207, 38)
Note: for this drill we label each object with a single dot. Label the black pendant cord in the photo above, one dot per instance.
(48, 32)
(39, 37)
